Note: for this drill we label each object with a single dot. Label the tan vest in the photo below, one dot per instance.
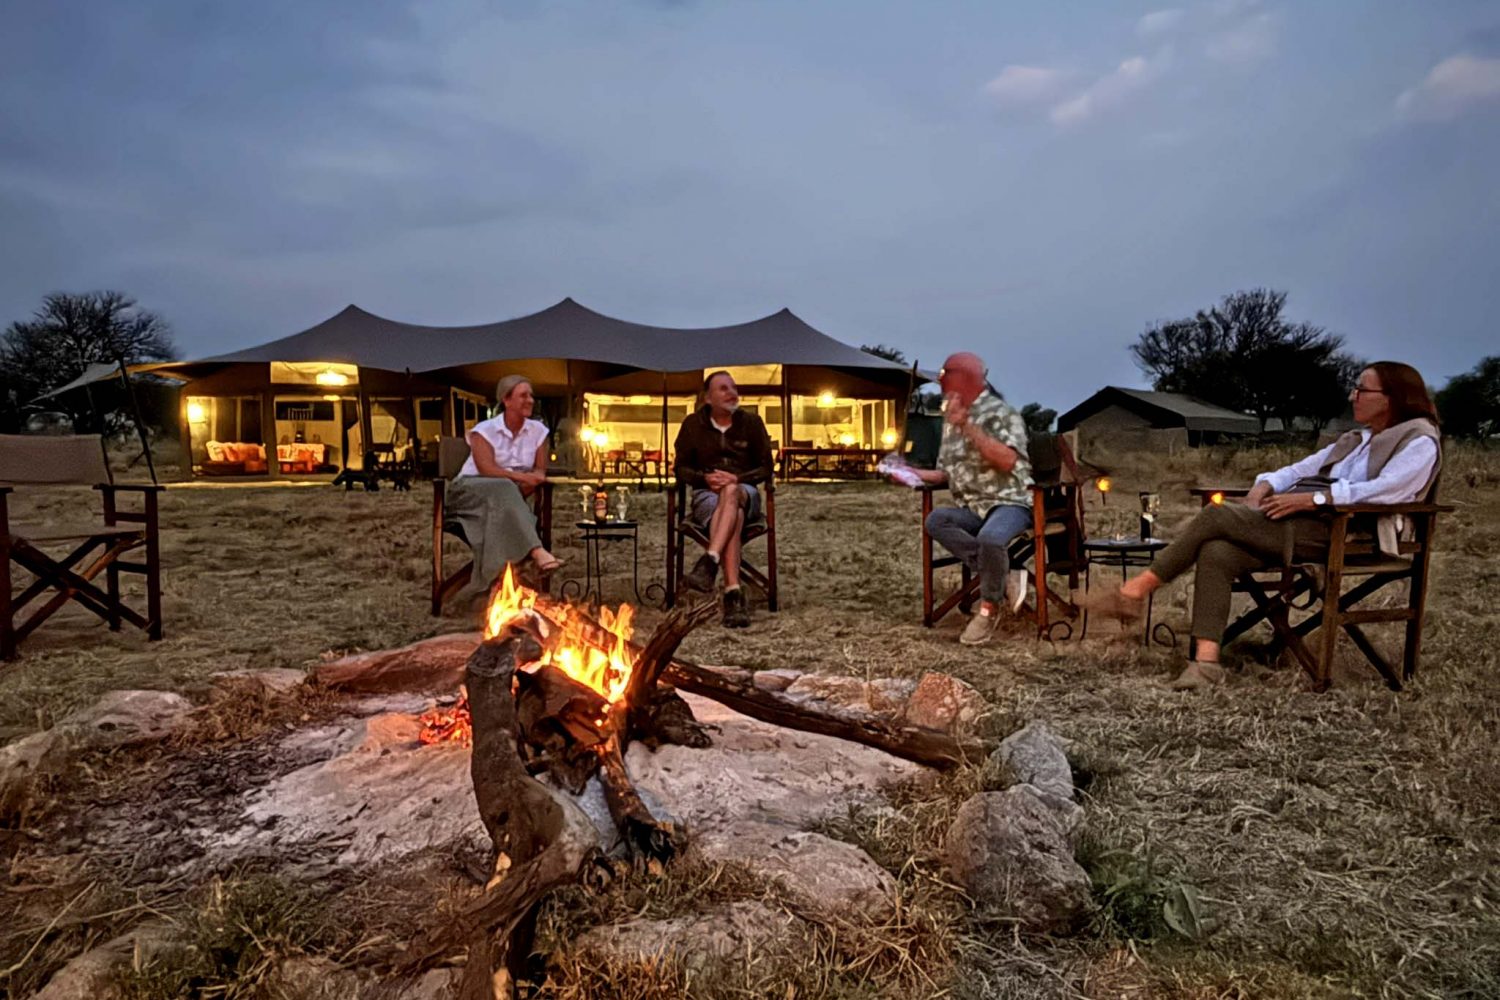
(1389, 530)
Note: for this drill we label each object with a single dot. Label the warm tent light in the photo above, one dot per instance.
(640, 400)
(1216, 498)
(332, 399)
(196, 413)
(601, 440)
(888, 437)
(825, 400)
(1102, 484)
(586, 435)
(846, 440)
(331, 377)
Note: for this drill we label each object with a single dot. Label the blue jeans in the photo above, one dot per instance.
(983, 544)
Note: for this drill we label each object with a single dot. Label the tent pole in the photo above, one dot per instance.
(99, 423)
(661, 466)
(911, 387)
(786, 416)
(140, 424)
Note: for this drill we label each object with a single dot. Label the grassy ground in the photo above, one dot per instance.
(1344, 844)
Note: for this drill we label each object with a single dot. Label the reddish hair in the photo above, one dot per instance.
(1406, 391)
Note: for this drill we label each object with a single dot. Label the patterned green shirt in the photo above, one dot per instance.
(975, 483)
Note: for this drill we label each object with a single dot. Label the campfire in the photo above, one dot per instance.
(556, 690)
(573, 649)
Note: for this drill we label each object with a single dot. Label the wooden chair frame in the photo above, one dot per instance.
(1352, 555)
(1056, 511)
(72, 576)
(680, 525)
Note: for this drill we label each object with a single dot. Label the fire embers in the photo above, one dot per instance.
(447, 724)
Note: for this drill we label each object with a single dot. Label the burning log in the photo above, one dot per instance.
(520, 712)
(648, 837)
(736, 689)
(539, 843)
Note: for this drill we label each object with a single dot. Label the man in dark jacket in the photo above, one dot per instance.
(722, 452)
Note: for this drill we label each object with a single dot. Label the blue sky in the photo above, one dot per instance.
(1033, 181)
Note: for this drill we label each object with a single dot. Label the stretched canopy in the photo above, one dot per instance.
(566, 332)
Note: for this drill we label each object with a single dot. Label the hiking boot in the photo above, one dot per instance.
(701, 576)
(736, 609)
(1015, 589)
(980, 629)
(1198, 676)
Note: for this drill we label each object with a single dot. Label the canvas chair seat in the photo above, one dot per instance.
(682, 528)
(82, 534)
(1353, 554)
(453, 452)
(58, 579)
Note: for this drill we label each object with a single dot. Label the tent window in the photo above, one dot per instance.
(330, 375)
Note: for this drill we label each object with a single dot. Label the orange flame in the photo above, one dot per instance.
(604, 666)
(605, 670)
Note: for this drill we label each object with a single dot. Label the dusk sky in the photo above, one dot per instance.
(1034, 181)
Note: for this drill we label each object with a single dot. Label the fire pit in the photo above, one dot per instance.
(555, 690)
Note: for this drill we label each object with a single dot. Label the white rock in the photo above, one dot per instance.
(1011, 853)
(839, 879)
(126, 718)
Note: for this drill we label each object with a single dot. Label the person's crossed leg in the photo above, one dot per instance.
(723, 513)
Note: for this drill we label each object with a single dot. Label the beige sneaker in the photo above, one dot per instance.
(980, 628)
(1198, 676)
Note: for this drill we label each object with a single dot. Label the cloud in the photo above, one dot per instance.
(1249, 42)
(1109, 91)
(1024, 86)
(1453, 87)
(1159, 22)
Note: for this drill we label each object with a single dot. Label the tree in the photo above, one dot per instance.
(1470, 403)
(1038, 418)
(882, 351)
(1243, 355)
(66, 335)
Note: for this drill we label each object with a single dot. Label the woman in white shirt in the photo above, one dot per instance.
(1395, 458)
(507, 464)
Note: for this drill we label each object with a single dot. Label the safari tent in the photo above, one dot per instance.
(613, 391)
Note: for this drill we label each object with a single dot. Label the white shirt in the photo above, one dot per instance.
(516, 452)
(1399, 482)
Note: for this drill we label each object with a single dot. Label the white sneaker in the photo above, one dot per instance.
(1015, 589)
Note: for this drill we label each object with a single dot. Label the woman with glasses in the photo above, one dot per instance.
(1394, 458)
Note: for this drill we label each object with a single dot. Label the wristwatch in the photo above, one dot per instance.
(1319, 499)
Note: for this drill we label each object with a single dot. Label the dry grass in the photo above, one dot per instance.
(1345, 844)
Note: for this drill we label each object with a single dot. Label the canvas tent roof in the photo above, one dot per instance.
(566, 331)
(1169, 409)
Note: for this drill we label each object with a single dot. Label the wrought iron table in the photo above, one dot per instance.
(594, 534)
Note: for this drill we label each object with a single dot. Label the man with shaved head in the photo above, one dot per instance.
(983, 461)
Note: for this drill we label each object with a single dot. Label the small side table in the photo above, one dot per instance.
(595, 534)
(1125, 553)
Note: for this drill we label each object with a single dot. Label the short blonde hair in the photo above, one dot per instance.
(506, 386)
